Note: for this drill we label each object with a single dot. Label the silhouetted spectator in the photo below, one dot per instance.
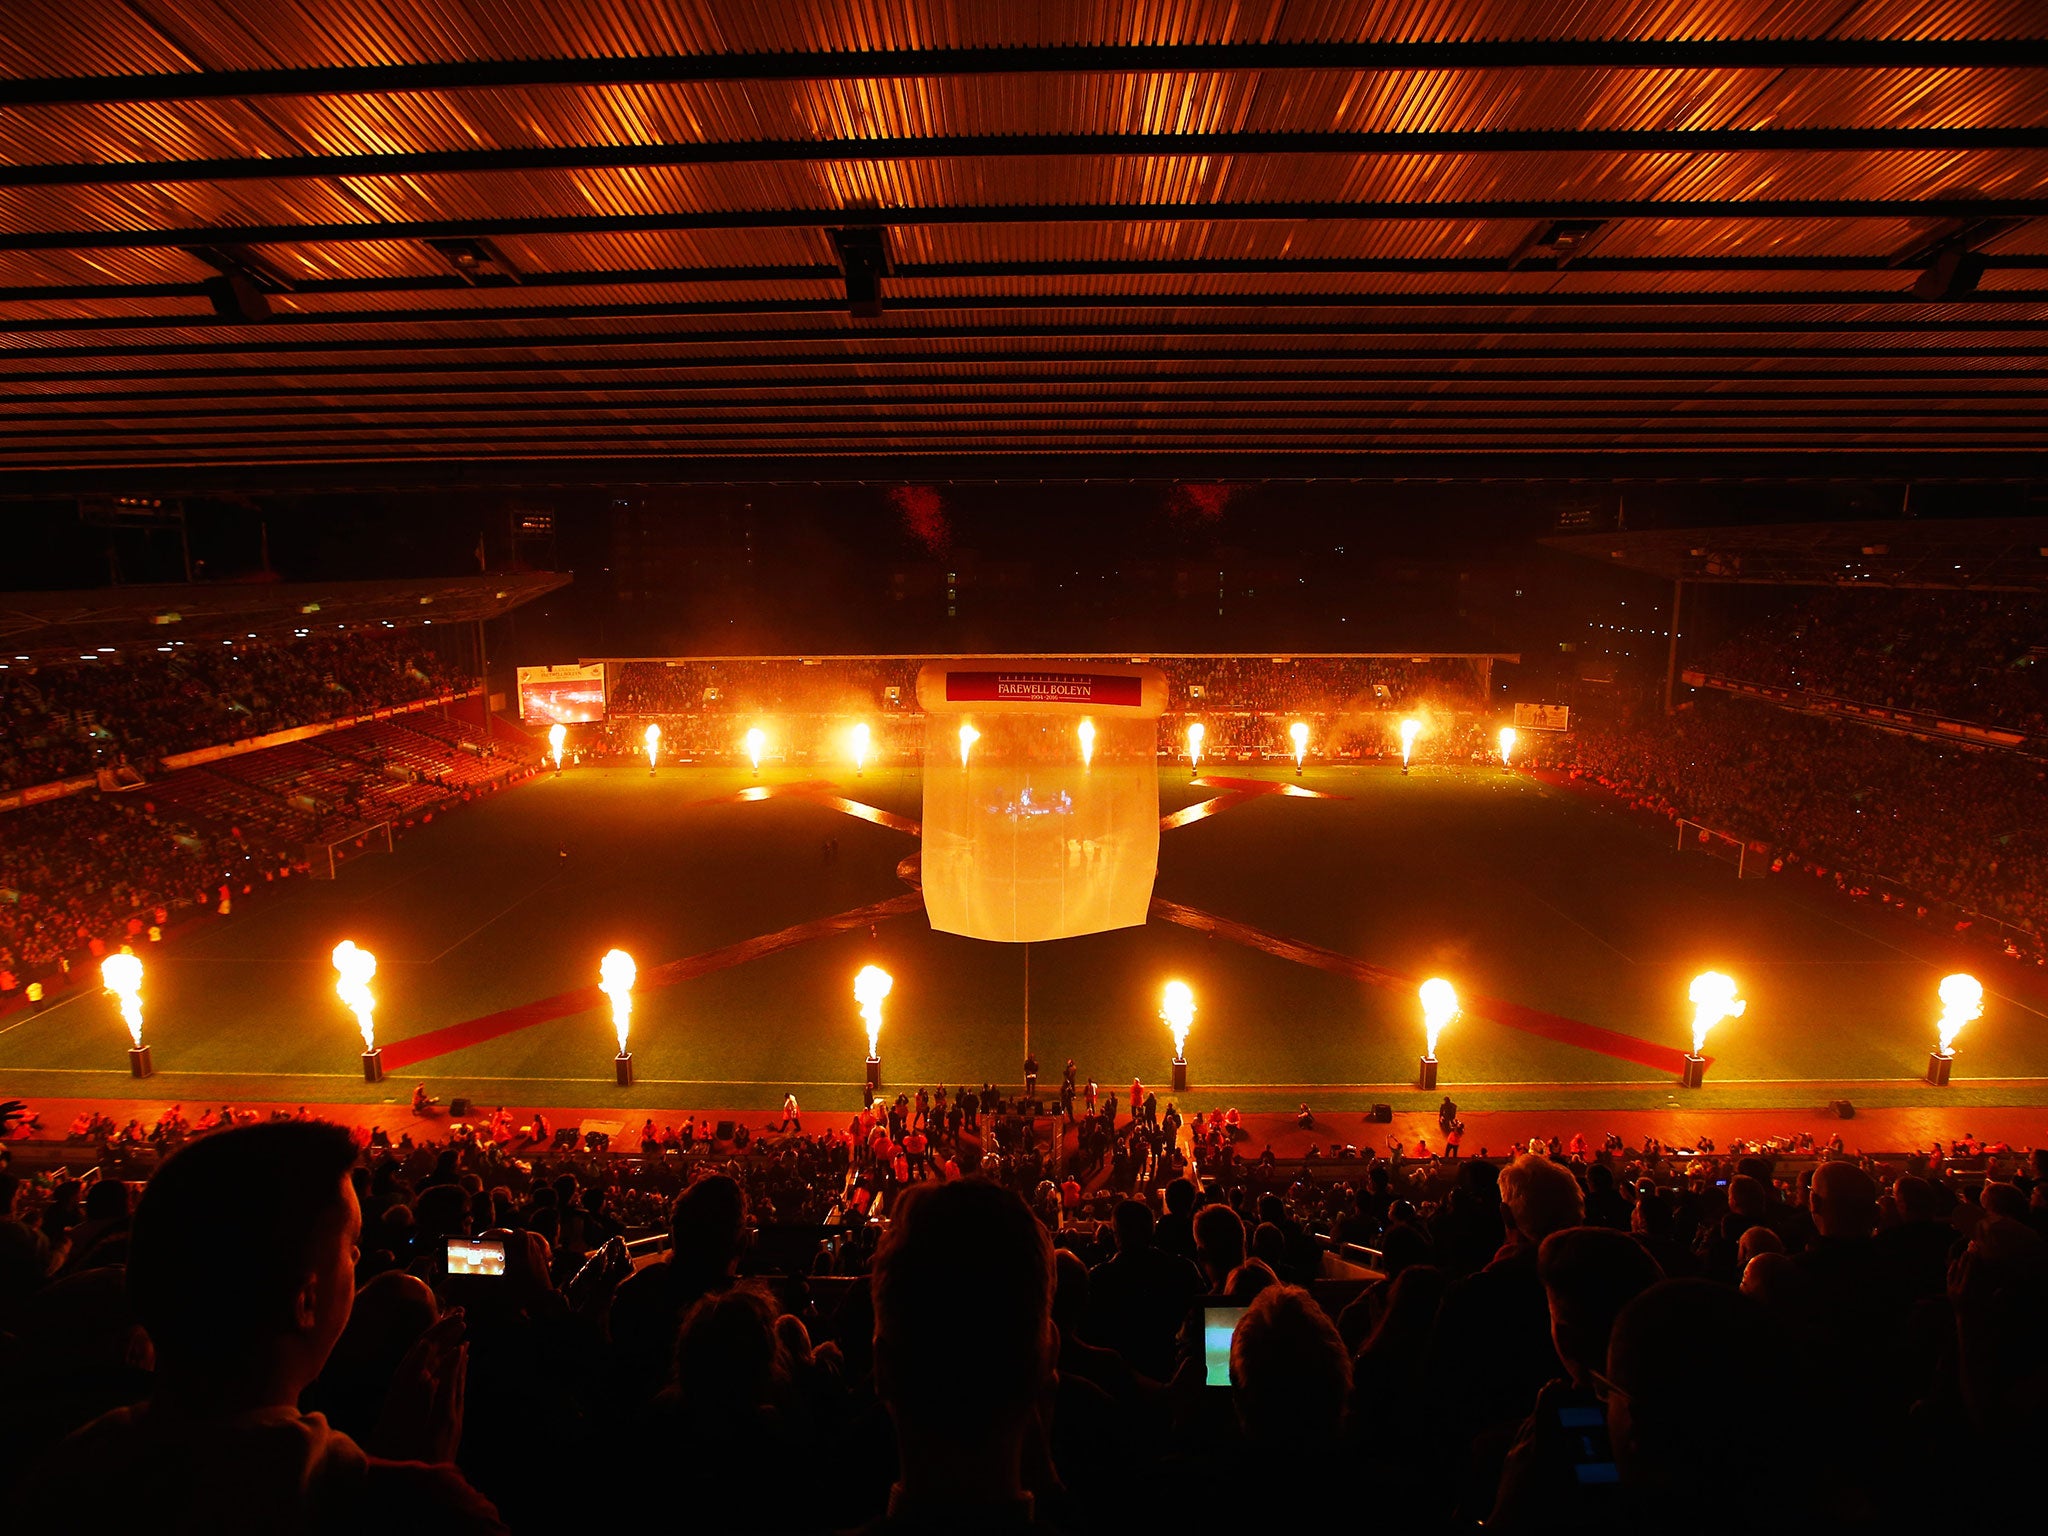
(242, 1269)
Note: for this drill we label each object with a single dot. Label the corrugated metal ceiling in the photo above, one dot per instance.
(1061, 295)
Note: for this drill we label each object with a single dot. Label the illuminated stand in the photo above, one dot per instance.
(1713, 999)
(1439, 1007)
(615, 976)
(121, 974)
(1962, 999)
(1177, 1008)
(869, 988)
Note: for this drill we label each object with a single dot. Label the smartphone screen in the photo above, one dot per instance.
(1585, 1429)
(475, 1256)
(1218, 1325)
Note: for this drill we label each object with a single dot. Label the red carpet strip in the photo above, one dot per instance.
(1530, 1021)
(403, 1054)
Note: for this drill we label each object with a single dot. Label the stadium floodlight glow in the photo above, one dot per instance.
(1196, 731)
(757, 740)
(121, 974)
(968, 737)
(1177, 1008)
(615, 976)
(1298, 733)
(1086, 730)
(1508, 737)
(1962, 999)
(1439, 1008)
(1410, 729)
(1713, 999)
(861, 738)
(653, 739)
(869, 988)
(557, 734)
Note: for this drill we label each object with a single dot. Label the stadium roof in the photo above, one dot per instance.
(1971, 554)
(251, 244)
(55, 626)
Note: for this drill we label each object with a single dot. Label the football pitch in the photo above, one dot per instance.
(1303, 924)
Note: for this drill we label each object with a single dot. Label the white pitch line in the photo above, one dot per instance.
(43, 1013)
(494, 918)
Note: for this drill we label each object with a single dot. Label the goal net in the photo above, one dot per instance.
(327, 858)
(1697, 837)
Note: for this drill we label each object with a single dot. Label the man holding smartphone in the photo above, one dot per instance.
(242, 1269)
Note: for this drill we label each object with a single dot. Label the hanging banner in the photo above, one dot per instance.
(568, 694)
(1041, 796)
(1543, 717)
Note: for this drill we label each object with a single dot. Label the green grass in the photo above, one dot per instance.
(1507, 887)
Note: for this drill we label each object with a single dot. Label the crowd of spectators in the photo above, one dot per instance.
(1247, 704)
(84, 872)
(1980, 657)
(91, 871)
(71, 719)
(1563, 1339)
(1870, 810)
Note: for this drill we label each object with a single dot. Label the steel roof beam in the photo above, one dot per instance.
(1660, 303)
(1853, 464)
(456, 162)
(900, 416)
(771, 362)
(931, 63)
(1147, 437)
(624, 277)
(1562, 207)
(1243, 386)
(627, 341)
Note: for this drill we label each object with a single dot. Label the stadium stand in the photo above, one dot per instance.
(1246, 703)
(1952, 834)
(73, 719)
(1682, 1300)
(1979, 657)
(81, 874)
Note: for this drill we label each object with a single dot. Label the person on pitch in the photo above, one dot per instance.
(792, 1116)
(1030, 1075)
(1446, 1114)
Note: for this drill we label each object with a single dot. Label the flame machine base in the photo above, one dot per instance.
(874, 1072)
(1695, 1074)
(139, 1064)
(1180, 1074)
(622, 1066)
(1425, 1075)
(373, 1066)
(1938, 1067)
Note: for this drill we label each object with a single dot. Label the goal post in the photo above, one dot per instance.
(1698, 837)
(325, 859)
